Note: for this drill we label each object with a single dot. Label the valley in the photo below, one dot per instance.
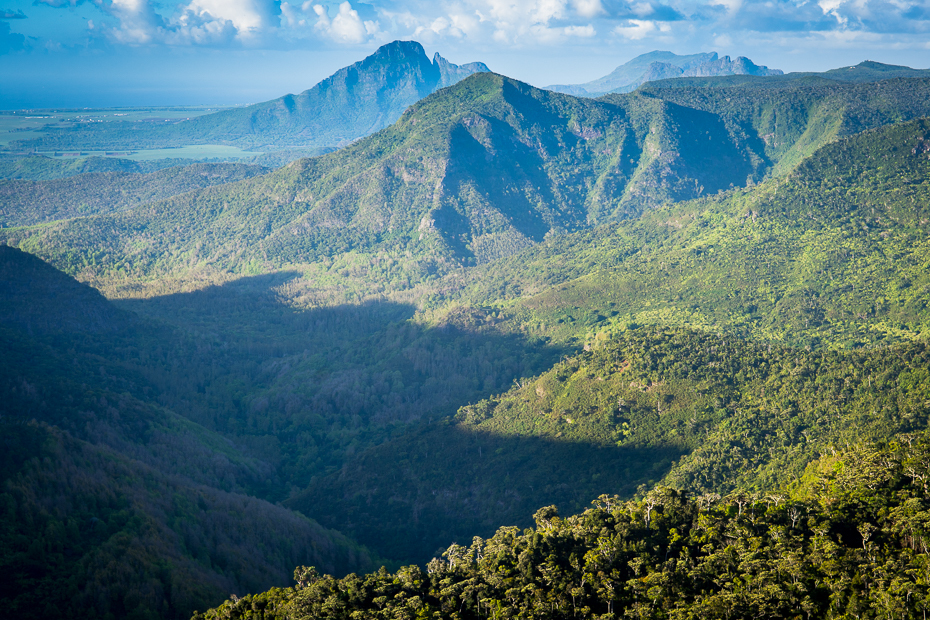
(700, 305)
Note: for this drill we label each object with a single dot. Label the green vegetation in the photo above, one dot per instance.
(113, 505)
(41, 168)
(470, 174)
(26, 202)
(833, 255)
(510, 298)
(685, 408)
(849, 540)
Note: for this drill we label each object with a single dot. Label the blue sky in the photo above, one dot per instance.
(75, 53)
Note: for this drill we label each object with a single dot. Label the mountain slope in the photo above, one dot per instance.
(109, 502)
(833, 256)
(479, 171)
(354, 102)
(850, 539)
(701, 412)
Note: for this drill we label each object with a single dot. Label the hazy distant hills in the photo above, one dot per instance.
(354, 102)
(660, 66)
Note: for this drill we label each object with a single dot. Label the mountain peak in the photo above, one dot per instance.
(399, 49)
(449, 73)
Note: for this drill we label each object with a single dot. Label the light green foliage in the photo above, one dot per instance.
(834, 255)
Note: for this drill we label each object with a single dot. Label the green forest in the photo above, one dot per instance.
(659, 354)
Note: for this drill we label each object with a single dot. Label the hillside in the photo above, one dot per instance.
(354, 102)
(803, 261)
(695, 411)
(477, 172)
(833, 255)
(41, 168)
(507, 299)
(103, 488)
(424, 185)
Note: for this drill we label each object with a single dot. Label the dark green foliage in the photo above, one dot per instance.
(850, 542)
(110, 504)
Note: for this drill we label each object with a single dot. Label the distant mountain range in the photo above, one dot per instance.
(354, 102)
(661, 66)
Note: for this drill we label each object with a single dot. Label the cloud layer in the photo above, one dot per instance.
(510, 23)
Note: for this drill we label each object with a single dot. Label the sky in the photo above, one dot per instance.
(109, 53)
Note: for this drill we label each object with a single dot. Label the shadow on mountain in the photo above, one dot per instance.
(410, 498)
(308, 388)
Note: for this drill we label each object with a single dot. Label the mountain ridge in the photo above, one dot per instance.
(660, 65)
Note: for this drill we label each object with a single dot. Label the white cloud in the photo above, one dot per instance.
(585, 32)
(731, 5)
(200, 22)
(522, 22)
(507, 23)
(588, 8)
(638, 29)
(346, 26)
(139, 24)
(249, 18)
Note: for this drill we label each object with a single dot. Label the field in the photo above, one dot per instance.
(28, 124)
